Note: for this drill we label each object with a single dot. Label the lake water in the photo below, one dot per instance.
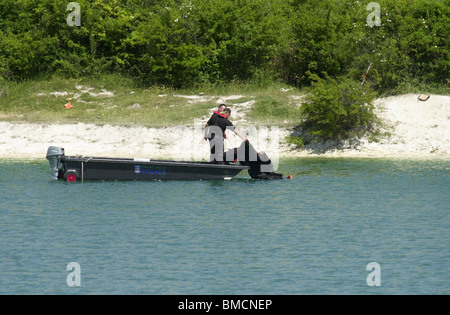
(315, 234)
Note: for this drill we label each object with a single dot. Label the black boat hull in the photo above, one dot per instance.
(137, 170)
(73, 168)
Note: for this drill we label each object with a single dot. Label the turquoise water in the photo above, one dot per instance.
(314, 234)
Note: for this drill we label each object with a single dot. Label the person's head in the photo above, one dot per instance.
(227, 112)
(222, 107)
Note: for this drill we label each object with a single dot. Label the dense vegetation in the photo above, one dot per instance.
(188, 43)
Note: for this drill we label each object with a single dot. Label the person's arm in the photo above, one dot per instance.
(240, 135)
(205, 136)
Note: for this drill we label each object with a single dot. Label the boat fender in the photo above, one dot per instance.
(70, 176)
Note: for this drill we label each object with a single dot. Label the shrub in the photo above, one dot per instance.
(335, 108)
(294, 140)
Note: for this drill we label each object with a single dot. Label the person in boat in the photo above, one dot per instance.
(212, 119)
(217, 133)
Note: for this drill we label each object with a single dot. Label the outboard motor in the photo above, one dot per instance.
(54, 155)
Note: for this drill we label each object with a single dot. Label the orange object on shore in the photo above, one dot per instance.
(68, 105)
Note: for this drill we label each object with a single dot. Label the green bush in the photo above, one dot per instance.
(337, 108)
(184, 43)
(299, 142)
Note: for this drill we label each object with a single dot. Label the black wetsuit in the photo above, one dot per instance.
(261, 166)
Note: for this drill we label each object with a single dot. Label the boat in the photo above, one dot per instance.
(79, 168)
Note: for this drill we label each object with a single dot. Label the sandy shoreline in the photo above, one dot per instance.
(419, 129)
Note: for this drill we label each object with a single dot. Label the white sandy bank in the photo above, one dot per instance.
(420, 129)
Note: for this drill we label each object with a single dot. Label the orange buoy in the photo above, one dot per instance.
(289, 177)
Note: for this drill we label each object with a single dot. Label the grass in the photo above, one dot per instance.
(128, 103)
(117, 100)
